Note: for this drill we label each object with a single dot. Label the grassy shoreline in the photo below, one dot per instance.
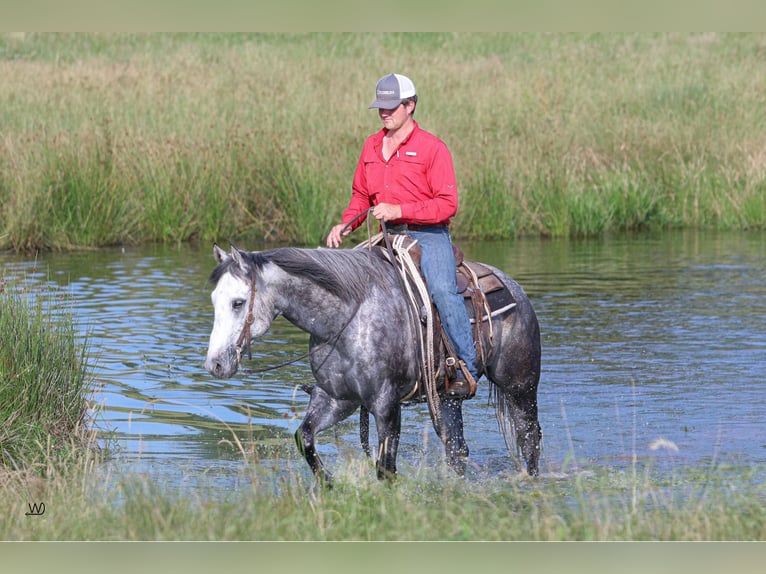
(83, 504)
(130, 138)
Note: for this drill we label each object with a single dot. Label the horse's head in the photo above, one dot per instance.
(241, 311)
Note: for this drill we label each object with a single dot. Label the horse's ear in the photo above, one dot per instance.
(236, 254)
(219, 254)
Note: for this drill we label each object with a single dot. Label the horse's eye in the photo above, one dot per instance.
(237, 304)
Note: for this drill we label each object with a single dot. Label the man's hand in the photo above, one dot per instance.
(334, 239)
(387, 211)
(381, 212)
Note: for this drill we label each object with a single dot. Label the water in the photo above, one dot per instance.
(653, 349)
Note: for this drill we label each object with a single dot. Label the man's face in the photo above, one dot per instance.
(396, 118)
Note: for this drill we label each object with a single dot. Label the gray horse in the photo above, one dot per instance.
(364, 349)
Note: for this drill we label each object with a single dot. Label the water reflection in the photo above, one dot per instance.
(658, 336)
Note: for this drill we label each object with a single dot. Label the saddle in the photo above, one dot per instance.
(485, 296)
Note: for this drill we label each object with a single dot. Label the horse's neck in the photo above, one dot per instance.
(312, 309)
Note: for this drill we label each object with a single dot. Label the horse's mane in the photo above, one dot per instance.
(346, 273)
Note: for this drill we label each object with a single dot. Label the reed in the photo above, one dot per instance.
(128, 138)
(44, 383)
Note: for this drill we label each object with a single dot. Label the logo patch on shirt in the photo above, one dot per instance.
(412, 153)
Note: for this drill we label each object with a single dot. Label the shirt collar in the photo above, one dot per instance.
(416, 127)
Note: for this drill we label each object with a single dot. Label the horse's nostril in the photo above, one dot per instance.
(214, 367)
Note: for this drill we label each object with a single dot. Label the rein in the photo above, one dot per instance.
(364, 213)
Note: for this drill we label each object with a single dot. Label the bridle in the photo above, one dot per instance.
(244, 336)
(243, 341)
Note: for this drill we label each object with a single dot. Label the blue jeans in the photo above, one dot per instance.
(438, 265)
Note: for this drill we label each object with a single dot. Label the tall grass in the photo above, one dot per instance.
(126, 138)
(44, 383)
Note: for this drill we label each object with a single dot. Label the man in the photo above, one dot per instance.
(406, 175)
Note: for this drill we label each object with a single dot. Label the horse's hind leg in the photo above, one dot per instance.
(515, 374)
(364, 430)
(529, 434)
(522, 409)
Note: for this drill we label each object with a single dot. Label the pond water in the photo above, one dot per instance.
(653, 349)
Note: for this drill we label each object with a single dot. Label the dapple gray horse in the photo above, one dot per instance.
(364, 349)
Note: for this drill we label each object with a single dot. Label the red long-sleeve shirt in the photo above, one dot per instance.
(419, 176)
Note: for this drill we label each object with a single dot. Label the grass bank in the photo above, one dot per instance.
(44, 383)
(715, 504)
(129, 138)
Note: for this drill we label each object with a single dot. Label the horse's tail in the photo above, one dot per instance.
(505, 419)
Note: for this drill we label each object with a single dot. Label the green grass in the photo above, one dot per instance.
(130, 138)
(712, 504)
(44, 381)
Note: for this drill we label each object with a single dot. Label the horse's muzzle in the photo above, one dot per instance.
(223, 365)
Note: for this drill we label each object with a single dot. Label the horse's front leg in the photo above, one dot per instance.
(451, 434)
(323, 412)
(389, 425)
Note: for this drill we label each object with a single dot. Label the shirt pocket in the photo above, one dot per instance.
(374, 173)
(412, 169)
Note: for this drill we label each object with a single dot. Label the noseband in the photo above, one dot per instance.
(244, 336)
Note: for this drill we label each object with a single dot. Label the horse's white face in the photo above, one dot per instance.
(231, 303)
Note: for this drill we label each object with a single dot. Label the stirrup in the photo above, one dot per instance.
(459, 385)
